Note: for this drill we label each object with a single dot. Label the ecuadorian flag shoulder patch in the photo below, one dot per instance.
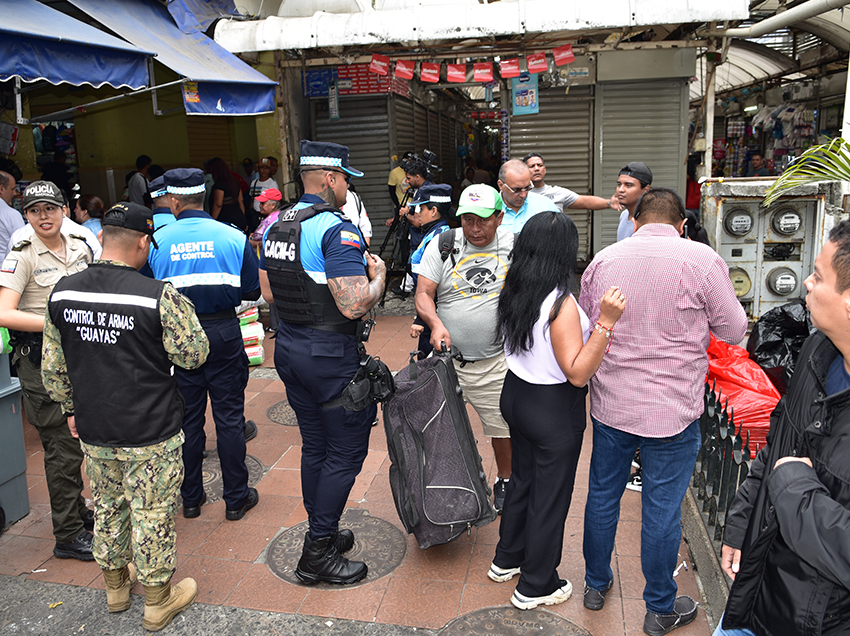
(9, 266)
(349, 238)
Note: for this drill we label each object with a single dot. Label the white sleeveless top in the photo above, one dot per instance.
(539, 366)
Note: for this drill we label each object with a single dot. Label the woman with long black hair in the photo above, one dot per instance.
(552, 351)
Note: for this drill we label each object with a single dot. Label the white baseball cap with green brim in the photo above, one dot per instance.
(479, 199)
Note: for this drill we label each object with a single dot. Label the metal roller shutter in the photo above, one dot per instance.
(434, 132)
(638, 121)
(448, 149)
(405, 140)
(420, 128)
(561, 133)
(209, 137)
(363, 126)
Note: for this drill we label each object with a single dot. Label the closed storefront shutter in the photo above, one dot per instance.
(420, 128)
(363, 126)
(405, 139)
(209, 137)
(448, 148)
(638, 121)
(561, 133)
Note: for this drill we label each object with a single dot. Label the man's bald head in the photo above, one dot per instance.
(7, 187)
(516, 168)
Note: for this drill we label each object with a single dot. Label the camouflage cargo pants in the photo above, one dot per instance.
(135, 494)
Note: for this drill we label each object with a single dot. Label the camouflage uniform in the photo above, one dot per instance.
(135, 488)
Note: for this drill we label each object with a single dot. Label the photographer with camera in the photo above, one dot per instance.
(419, 170)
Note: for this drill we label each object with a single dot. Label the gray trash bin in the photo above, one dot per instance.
(14, 499)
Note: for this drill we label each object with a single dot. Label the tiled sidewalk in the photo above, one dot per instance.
(429, 588)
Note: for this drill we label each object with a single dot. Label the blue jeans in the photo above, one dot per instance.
(731, 632)
(666, 468)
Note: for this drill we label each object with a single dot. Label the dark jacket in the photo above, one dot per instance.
(792, 524)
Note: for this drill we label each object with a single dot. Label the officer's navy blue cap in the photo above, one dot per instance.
(131, 216)
(157, 188)
(326, 154)
(184, 181)
(436, 194)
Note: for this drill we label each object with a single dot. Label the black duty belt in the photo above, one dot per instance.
(348, 328)
(221, 315)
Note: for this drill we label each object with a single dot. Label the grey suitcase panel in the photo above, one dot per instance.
(438, 483)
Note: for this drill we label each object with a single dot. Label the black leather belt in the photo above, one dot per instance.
(349, 328)
(221, 315)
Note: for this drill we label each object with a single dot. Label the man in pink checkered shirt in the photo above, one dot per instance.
(648, 393)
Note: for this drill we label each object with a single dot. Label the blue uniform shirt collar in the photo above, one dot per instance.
(311, 199)
(193, 214)
(163, 211)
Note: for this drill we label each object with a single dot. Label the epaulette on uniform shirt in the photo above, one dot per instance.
(20, 245)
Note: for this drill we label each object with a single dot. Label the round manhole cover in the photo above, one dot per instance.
(509, 621)
(213, 484)
(282, 413)
(378, 543)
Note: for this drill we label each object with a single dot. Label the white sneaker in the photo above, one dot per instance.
(635, 483)
(500, 575)
(560, 595)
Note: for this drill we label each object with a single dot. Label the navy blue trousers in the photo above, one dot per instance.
(224, 377)
(315, 367)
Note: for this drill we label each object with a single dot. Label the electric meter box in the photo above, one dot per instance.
(769, 251)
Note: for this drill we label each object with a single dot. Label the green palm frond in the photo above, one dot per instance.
(827, 162)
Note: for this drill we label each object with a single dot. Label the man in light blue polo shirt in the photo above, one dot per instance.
(520, 203)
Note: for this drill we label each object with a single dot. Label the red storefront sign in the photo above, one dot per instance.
(404, 69)
(509, 68)
(380, 64)
(482, 72)
(537, 63)
(456, 73)
(564, 55)
(430, 72)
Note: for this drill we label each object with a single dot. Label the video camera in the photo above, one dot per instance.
(427, 160)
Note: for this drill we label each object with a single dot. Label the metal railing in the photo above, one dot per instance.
(722, 464)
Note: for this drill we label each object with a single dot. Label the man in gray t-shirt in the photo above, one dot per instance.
(468, 283)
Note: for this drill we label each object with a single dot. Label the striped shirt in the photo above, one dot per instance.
(650, 383)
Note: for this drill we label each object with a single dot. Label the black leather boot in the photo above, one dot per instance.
(321, 561)
(343, 540)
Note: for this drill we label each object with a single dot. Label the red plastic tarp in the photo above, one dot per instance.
(750, 392)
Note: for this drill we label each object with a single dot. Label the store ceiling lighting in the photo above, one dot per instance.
(750, 109)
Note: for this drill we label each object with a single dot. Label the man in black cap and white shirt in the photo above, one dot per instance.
(634, 179)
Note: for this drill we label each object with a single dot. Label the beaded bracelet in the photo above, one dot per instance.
(604, 331)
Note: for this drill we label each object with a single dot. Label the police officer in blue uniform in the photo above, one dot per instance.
(315, 268)
(215, 267)
(162, 214)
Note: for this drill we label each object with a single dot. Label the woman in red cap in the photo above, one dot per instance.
(269, 208)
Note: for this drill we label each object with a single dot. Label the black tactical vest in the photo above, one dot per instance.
(124, 393)
(297, 297)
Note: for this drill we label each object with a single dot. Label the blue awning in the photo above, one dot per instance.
(38, 43)
(217, 82)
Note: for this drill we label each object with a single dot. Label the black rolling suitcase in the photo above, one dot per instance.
(438, 483)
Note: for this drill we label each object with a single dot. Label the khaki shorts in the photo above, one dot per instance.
(482, 382)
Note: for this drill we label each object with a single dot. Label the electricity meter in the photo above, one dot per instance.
(740, 281)
(738, 222)
(786, 221)
(782, 281)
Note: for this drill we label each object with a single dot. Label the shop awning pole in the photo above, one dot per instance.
(845, 124)
(709, 117)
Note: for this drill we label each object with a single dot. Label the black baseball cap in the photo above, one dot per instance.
(131, 216)
(639, 171)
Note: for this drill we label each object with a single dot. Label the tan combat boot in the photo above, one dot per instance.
(118, 584)
(164, 602)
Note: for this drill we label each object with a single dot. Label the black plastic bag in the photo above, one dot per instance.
(776, 340)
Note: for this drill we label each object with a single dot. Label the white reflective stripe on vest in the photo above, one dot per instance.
(102, 298)
(213, 279)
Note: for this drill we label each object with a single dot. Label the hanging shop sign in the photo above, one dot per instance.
(509, 68)
(482, 72)
(430, 72)
(404, 69)
(537, 63)
(564, 55)
(456, 73)
(524, 94)
(380, 64)
(333, 101)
